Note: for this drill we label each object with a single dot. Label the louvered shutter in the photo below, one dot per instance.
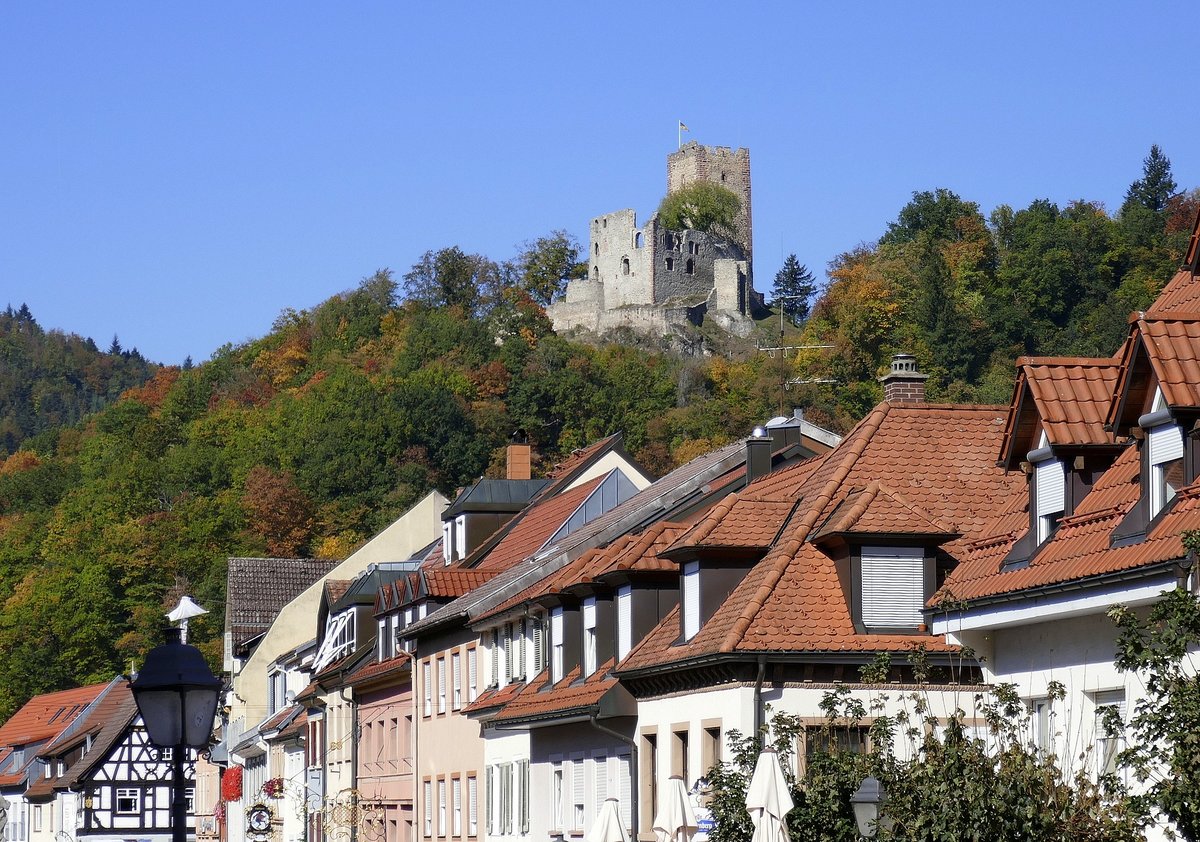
(624, 621)
(472, 674)
(442, 807)
(539, 644)
(427, 803)
(518, 669)
(456, 793)
(556, 644)
(1050, 487)
(600, 778)
(456, 680)
(427, 685)
(625, 788)
(1165, 444)
(506, 799)
(489, 806)
(690, 583)
(577, 793)
(472, 806)
(893, 586)
(506, 653)
(441, 678)
(524, 782)
(495, 676)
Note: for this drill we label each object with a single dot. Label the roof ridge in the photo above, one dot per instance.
(1062, 361)
(781, 558)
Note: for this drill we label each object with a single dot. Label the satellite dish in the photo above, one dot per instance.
(289, 696)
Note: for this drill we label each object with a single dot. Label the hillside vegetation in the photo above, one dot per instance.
(312, 438)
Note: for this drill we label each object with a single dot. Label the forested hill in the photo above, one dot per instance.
(309, 440)
(50, 379)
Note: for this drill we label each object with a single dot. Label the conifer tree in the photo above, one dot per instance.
(793, 288)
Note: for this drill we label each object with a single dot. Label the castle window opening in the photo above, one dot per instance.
(670, 263)
(596, 273)
(637, 240)
(624, 265)
(693, 248)
(597, 248)
(722, 178)
(690, 267)
(604, 224)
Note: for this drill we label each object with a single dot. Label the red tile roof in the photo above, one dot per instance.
(105, 721)
(537, 525)
(1166, 349)
(1068, 397)
(877, 510)
(535, 699)
(1181, 294)
(453, 581)
(41, 719)
(372, 668)
(937, 459)
(335, 589)
(1081, 548)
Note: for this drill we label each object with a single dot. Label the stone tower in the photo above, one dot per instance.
(721, 165)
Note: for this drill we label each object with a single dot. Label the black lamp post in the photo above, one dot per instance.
(176, 695)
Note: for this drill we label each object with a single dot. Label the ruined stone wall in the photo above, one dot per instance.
(731, 291)
(721, 165)
(619, 260)
(684, 261)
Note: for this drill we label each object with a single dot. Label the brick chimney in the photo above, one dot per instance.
(518, 459)
(904, 384)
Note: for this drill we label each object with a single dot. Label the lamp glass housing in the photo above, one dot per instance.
(177, 695)
(867, 802)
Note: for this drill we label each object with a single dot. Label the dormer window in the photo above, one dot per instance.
(624, 621)
(339, 640)
(589, 636)
(1164, 449)
(1050, 496)
(689, 582)
(557, 623)
(893, 589)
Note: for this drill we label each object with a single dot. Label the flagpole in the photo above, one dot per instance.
(678, 135)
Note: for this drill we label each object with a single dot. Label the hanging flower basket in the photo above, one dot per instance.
(219, 811)
(273, 788)
(231, 784)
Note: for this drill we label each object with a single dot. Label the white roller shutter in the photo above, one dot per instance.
(624, 621)
(893, 586)
(625, 788)
(1165, 444)
(1051, 487)
(690, 582)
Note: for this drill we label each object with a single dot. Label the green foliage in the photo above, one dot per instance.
(1164, 749)
(793, 288)
(449, 277)
(546, 264)
(956, 785)
(701, 206)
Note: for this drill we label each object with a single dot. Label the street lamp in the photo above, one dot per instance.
(868, 801)
(176, 695)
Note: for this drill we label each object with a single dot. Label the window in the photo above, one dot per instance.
(556, 796)
(537, 643)
(599, 782)
(637, 240)
(37, 817)
(1110, 720)
(339, 639)
(456, 795)
(680, 764)
(504, 655)
(441, 822)
(556, 644)
(277, 690)
(670, 262)
(648, 777)
(690, 267)
(427, 685)
(441, 677)
(523, 802)
(1050, 489)
(472, 806)
(693, 248)
(456, 680)
(589, 636)
(578, 793)
(494, 677)
(710, 748)
(624, 265)
(447, 541)
(129, 801)
(472, 674)
(1041, 721)
(893, 587)
(819, 740)
(625, 788)
(460, 536)
(1164, 447)
(624, 621)
(690, 582)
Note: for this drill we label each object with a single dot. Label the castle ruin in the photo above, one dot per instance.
(651, 278)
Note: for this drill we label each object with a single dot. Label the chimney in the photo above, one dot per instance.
(758, 455)
(904, 384)
(518, 459)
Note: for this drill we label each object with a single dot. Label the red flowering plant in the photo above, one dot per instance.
(273, 788)
(231, 784)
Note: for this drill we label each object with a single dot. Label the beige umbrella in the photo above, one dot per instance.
(608, 826)
(768, 799)
(675, 821)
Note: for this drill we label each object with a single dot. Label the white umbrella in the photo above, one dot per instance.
(675, 821)
(768, 799)
(608, 826)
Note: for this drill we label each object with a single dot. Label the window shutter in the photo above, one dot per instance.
(495, 676)
(489, 807)
(456, 793)
(506, 793)
(456, 680)
(472, 674)
(1050, 483)
(625, 788)
(577, 793)
(524, 769)
(600, 775)
(556, 644)
(893, 586)
(507, 654)
(1165, 444)
(442, 807)
(428, 805)
(518, 668)
(538, 633)
(472, 806)
(624, 621)
(441, 670)
(427, 682)
(691, 599)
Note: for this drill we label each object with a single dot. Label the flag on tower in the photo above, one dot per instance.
(682, 127)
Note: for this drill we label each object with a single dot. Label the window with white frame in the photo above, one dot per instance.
(1109, 724)
(578, 792)
(427, 687)
(338, 642)
(1041, 724)
(519, 649)
(522, 785)
(624, 621)
(537, 645)
(441, 821)
(456, 680)
(506, 655)
(494, 658)
(589, 635)
(447, 541)
(427, 804)
(1050, 496)
(689, 581)
(893, 587)
(441, 679)
(472, 673)
(472, 806)
(1164, 448)
(129, 801)
(276, 690)
(599, 782)
(556, 795)
(460, 536)
(456, 807)
(556, 644)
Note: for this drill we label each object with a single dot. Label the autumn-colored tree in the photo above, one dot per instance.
(277, 510)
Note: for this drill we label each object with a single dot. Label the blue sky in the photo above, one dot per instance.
(178, 173)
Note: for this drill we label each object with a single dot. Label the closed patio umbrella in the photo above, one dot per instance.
(674, 821)
(769, 799)
(608, 826)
